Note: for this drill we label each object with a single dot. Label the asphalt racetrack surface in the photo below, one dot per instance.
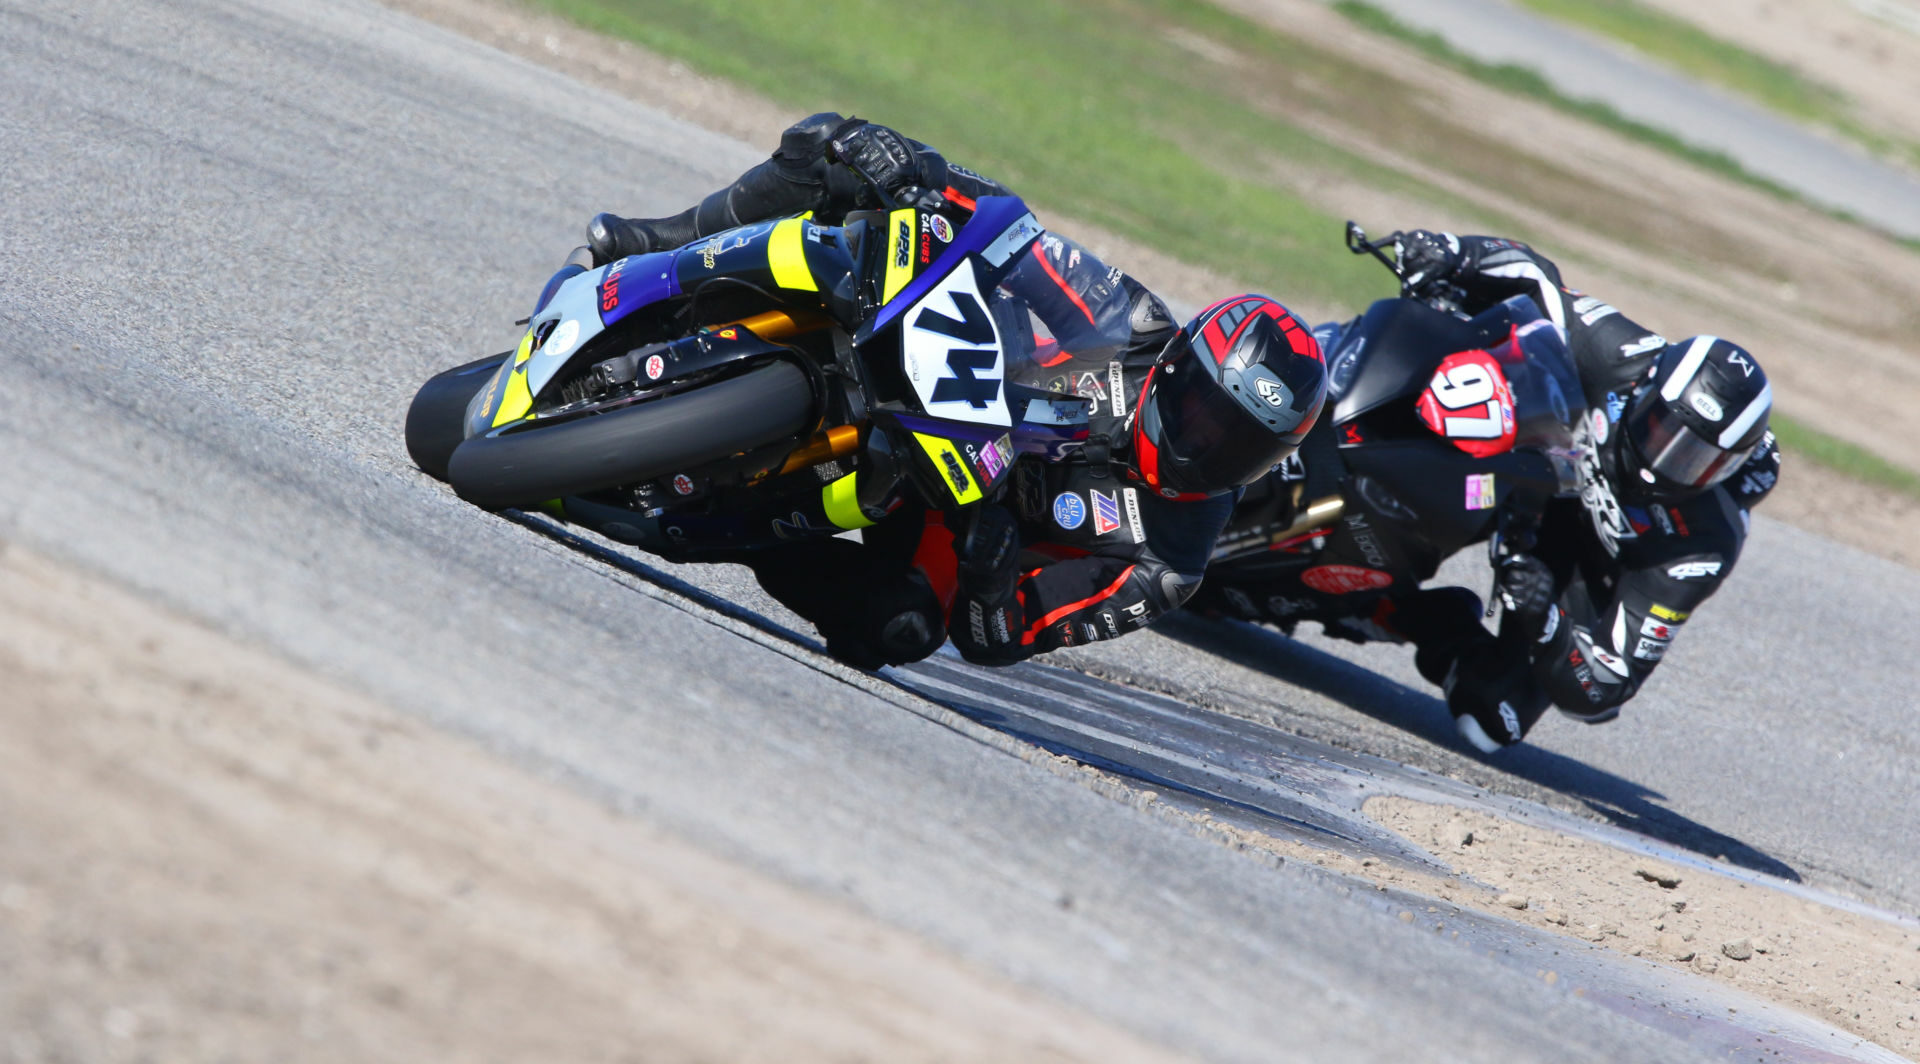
(237, 235)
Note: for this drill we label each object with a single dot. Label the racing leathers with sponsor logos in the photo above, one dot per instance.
(1595, 591)
(1597, 598)
(1077, 550)
(1073, 552)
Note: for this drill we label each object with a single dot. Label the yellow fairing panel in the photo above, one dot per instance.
(787, 256)
(517, 400)
(901, 226)
(952, 467)
(842, 501)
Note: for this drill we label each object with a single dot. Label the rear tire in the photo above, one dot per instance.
(633, 444)
(436, 422)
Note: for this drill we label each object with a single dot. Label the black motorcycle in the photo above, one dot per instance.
(1445, 430)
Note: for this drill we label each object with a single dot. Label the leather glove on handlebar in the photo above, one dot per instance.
(1526, 589)
(888, 159)
(1427, 259)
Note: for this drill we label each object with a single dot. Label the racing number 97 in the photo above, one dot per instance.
(1466, 386)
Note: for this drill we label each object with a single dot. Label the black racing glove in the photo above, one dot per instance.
(1526, 589)
(987, 620)
(1427, 260)
(890, 161)
(990, 555)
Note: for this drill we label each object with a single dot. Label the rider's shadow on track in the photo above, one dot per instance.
(1622, 802)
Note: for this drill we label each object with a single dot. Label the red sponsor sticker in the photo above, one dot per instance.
(1344, 579)
(655, 367)
(683, 483)
(1470, 403)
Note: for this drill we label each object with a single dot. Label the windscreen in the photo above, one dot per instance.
(1547, 398)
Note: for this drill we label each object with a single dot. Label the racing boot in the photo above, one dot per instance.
(1493, 696)
(799, 177)
(903, 620)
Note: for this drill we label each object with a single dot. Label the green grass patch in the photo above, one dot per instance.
(1698, 54)
(1798, 441)
(1160, 120)
(1084, 107)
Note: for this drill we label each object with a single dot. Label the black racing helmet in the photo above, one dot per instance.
(1694, 420)
(1229, 398)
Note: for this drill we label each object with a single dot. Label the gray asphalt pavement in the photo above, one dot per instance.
(236, 234)
(1824, 168)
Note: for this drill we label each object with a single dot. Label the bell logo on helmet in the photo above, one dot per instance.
(1707, 407)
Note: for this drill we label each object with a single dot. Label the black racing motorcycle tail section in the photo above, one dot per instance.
(635, 443)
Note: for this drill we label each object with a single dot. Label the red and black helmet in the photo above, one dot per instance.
(1229, 398)
(1697, 418)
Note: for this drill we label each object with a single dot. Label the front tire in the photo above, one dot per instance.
(642, 442)
(436, 422)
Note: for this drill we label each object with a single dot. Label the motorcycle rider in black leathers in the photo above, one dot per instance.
(1078, 550)
(1595, 592)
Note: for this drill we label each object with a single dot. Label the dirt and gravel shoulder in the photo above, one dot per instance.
(210, 854)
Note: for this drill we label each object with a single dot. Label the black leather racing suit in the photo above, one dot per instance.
(1627, 574)
(1101, 554)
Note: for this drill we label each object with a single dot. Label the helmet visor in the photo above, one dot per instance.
(1677, 456)
(1209, 441)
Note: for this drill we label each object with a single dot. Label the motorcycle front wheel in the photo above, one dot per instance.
(633, 444)
(436, 422)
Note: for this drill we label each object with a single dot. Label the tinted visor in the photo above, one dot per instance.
(1678, 457)
(1208, 441)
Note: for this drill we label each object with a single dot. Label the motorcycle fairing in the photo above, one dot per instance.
(577, 311)
(1469, 403)
(1000, 229)
(792, 254)
(952, 350)
(1402, 340)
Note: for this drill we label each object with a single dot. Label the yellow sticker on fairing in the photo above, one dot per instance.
(787, 256)
(952, 467)
(517, 400)
(901, 228)
(841, 498)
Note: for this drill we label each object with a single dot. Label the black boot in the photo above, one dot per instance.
(797, 178)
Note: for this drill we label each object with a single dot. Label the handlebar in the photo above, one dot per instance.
(1438, 295)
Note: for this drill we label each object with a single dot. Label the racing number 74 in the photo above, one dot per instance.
(972, 327)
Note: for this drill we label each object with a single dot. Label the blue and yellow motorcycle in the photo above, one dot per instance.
(776, 381)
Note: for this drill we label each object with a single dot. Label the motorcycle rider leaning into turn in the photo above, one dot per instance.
(1079, 550)
(1594, 593)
